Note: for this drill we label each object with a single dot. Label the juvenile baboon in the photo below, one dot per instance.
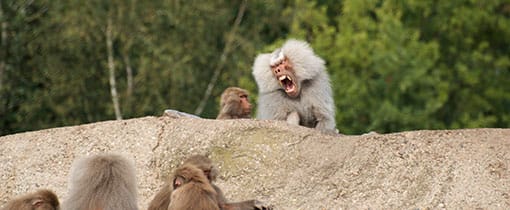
(234, 104)
(192, 190)
(102, 182)
(39, 200)
(162, 198)
(294, 86)
(210, 171)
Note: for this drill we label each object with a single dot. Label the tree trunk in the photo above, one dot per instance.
(129, 73)
(111, 69)
(223, 58)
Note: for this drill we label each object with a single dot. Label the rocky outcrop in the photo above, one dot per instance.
(291, 167)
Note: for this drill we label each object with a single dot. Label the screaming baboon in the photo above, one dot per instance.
(104, 182)
(294, 86)
(192, 190)
(162, 198)
(39, 200)
(234, 104)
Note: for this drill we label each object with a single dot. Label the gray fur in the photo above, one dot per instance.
(314, 106)
(177, 114)
(106, 180)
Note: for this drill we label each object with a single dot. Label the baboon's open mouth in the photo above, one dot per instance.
(288, 85)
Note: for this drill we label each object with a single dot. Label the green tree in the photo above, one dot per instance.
(411, 65)
(474, 61)
(394, 65)
(163, 54)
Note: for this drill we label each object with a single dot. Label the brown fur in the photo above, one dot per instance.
(206, 165)
(39, 200)
(195, 192)
(162, 198)
(234, 104)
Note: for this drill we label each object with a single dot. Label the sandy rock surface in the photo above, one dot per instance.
(291, 167)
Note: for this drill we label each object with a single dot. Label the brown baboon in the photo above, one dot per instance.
(102, 182)
(211, 172)
(206, 165)
(192, 190)
(294, 86)
(39, 200)
(234, 104)
(162, 198)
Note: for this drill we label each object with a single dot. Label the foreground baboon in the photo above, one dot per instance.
(102, 182)
(210, 171)
(39, 200)
(162, 198)
(192, 190)
(294, 86)
(234, 104)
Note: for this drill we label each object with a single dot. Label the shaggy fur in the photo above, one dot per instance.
(314, 105)
(105, 182)
(195, 193)
(231, 106)
(39, 200)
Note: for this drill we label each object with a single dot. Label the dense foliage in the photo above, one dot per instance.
(394, 65)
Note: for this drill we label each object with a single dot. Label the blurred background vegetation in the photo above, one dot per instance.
(394, 65)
